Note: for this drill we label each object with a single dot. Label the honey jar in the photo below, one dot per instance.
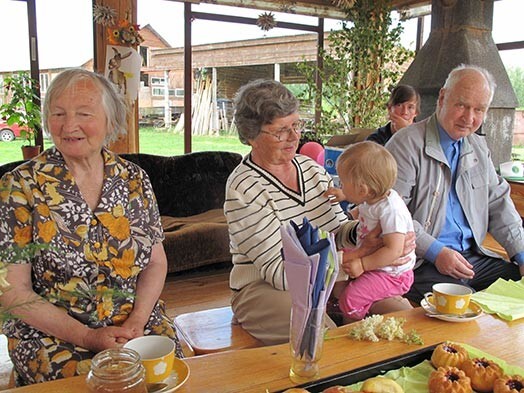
(116, 370)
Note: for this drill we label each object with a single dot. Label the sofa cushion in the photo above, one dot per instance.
(196, 241)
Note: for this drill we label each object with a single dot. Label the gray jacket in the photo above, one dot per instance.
(424, 180)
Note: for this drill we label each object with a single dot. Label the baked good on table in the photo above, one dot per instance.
(338, 389)
(296, 390)
(448, 354)
(449, 379)
(381, 385)
(482, 372)
(509, 384)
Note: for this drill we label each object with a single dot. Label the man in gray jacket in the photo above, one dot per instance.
(449, 183)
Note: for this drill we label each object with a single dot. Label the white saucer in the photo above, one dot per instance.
(473, 308)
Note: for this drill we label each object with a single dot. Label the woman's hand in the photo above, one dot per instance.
(373, 241)
(398, 122)
(136, 324)
(97, 340)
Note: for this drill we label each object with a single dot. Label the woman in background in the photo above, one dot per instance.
(403, 106)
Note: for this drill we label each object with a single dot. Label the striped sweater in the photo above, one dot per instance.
(257, 204)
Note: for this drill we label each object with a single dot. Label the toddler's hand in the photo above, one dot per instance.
(353, 267)
(334, 194)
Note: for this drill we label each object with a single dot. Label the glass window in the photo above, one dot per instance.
(155, 80)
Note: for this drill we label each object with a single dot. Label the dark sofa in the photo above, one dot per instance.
(190, 191)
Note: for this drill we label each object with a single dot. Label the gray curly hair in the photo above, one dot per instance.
(259, 102)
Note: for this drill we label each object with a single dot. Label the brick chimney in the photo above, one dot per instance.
(461, 33)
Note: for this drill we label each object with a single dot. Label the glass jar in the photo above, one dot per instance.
(116, 370)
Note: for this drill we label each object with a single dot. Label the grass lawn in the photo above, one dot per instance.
(152, 141)
(517, 153)
(165, 143)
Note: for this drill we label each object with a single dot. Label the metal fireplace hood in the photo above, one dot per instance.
(461, 33)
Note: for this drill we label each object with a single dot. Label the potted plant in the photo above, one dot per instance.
(21, 108)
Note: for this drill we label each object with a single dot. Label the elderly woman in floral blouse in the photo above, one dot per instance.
(96, 280)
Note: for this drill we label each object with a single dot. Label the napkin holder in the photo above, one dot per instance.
(512, 169)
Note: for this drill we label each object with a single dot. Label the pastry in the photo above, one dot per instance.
(507, 384)
(381, 385)
(449, 379)
(337, 389)
(482, 372)
(448, 354)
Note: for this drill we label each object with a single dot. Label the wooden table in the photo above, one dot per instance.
(258, 369)
(517, 194)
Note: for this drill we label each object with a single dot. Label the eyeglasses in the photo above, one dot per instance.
(283, 134)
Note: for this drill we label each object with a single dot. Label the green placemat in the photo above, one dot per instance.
(415, 379)
(505, 298)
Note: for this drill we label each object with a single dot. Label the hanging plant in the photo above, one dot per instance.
(361, 61)
(344, 4)
(266, 21)
(104, 15)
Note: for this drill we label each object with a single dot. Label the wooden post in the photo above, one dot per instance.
(35, 68)
(188, 78)
(125, 9)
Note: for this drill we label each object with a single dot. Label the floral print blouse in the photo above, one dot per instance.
(89, 261)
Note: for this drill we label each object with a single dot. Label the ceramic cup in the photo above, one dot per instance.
(157, 354)
(449, 298)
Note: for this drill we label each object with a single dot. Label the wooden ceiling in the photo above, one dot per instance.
(320, 8)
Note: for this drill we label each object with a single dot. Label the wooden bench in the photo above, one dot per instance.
(491, 244)
(214, 330)
(517, 195)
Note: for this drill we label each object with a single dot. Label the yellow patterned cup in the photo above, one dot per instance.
(157, 354)
(449, 298)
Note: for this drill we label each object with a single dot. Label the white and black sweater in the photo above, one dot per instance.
(257, 204)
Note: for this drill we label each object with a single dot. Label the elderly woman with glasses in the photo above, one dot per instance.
(271, 186)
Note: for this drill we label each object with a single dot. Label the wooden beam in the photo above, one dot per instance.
(320, 66)
(125, 10)
(510, 45)
(317, 8)
(33, 58)
(251, 21)
(188, 78)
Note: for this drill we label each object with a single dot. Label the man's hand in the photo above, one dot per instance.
(452, 263)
